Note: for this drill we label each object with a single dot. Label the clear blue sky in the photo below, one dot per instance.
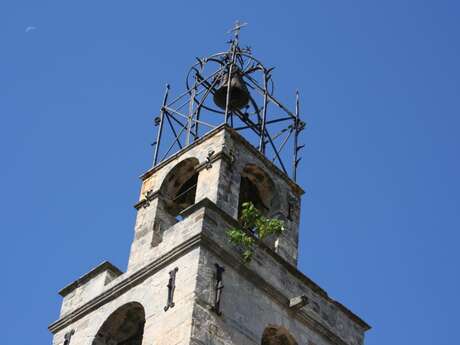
(380, 92)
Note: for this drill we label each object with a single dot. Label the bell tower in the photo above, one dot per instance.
(224, 141)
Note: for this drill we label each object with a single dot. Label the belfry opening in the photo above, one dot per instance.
(179, 187)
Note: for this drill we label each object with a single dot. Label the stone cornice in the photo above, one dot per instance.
(105, 266)
(127, 283)
(271, 291)
(214, 158)
(147, 199)
(204, 165)
(201, 239)
(235, 135)
(286, 265)
(208, 135)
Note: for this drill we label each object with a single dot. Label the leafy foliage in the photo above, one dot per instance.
(252, 222)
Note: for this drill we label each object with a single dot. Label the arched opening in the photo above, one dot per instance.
(125, 326)
(178, 189)
(277, 335)
(177, 192)
(257, 187)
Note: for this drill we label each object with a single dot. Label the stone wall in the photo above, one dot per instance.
(146, 243)
(87, 287)
(169, 327)
(255, 295)
(246, 311)
(223, 157)
(268, 275)
(287, 193)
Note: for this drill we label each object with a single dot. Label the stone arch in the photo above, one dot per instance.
(257, 187)
(125, 326)
(178, 188)
(277, 335)
(177, 192)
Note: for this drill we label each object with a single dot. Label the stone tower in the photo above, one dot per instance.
(185, 282)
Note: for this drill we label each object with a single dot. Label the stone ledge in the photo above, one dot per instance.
(214, 158)
(124, 285)
(186, 246)
(236, 136)
(210, 134)
(84, 279)
(276, 295)
(206, 203)
(147, 199)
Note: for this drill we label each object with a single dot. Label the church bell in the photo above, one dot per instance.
(239, 94)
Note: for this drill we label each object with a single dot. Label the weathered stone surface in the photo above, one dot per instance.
(88, 286)
(298, 302)
(259, 302)
(151, 293)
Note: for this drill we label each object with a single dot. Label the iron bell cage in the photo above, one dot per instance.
(233, 88)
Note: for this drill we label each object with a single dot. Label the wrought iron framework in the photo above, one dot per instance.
(268, 124)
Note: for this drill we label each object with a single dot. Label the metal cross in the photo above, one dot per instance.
(236, 29)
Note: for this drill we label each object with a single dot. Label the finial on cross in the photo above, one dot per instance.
(236, 29)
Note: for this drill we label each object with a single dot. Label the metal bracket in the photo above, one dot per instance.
(208, 163)
(219, 285)
(149, 195)
(229, 155)
(298, 302)
(231, 158)
(68, 336)
(171, 287)
(290, 207)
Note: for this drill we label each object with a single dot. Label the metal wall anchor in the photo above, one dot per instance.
(68, 336)
(171, 287)
(219, 285)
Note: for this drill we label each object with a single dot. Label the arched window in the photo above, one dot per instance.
(125, 326)
(277, 335)
(177, 192)
(178, 189)
(257, 187)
